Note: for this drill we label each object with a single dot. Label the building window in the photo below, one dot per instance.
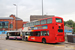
(11, 26)
(37, 23)
(49, 20)
(6, 25)
(43, 21)
(0, 25)
(3, 24)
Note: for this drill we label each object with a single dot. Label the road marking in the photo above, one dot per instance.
(6, 49)
(40, 43)
(47, 44)
(62, 45)
(52, 45)
(72, 47)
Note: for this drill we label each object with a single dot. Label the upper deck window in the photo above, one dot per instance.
(58, 20)
(43, 21)
(37, 23)
(27, 24)
(31, 24)
(23, 25)
(49, 20)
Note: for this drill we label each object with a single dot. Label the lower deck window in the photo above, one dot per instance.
(14, 34)
(36, 33)
(44, 33)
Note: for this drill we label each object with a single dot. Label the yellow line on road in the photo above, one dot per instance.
(52, 45)
(62, 45)
(39, 43)
(6, 49)
(72, 47)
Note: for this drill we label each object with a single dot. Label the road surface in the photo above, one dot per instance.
(25, 45)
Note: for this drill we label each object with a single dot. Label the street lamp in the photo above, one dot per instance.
(16, 13)
(42, 8)
(16, 9)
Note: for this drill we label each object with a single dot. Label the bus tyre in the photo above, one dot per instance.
(26, 39)
(15, 38)
(22, 39)
(44, 41)
(6, 38)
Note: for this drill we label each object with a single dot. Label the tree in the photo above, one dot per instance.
(65, 23)
(70, 22)
(74, 28)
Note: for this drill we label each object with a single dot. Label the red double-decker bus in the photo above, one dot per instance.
(47, 30)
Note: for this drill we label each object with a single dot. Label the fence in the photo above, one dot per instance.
(2, 36)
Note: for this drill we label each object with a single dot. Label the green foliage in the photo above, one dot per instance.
(65, 22)
(74, 27)
(69, 23)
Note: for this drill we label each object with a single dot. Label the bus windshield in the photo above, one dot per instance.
(29, 33)
(58, 20)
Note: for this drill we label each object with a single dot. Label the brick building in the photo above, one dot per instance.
(37, 17)
(10, 23)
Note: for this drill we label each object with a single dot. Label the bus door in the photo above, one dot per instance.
(7, 35)
(37, 36)
(23, 35)
(18, 35)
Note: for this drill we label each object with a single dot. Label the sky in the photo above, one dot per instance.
(61, 8)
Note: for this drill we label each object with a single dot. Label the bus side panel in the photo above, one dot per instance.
(12, 37)
(51, 38)
(32, 38)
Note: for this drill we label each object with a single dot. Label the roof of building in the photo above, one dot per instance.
(37, 17)
(13, 31)
(6, 17)
(43, 15)
(68, 28)
(18, 18)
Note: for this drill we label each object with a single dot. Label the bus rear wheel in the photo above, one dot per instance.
(44, 41)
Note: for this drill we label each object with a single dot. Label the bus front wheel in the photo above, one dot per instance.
(26, 39)
(44, 40)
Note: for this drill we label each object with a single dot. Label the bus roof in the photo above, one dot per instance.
(45, 18)
(13, 31)
(51, 17)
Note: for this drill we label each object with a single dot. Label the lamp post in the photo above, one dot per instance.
(42, 8)
(16, 13)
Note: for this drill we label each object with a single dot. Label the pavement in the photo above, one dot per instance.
(26, 45)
